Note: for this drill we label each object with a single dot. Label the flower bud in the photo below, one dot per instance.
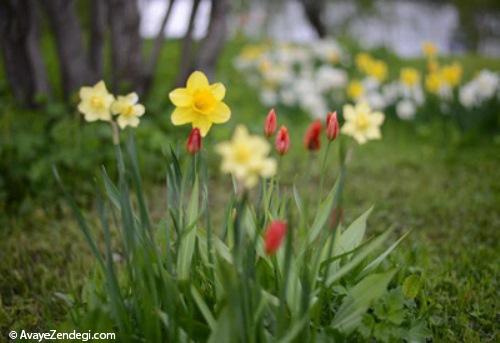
(311, 138)
(271, 123)
(332, 126)
(274, 236)
(282, 142)
(193, 144)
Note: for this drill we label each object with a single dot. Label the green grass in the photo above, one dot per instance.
(445, 189)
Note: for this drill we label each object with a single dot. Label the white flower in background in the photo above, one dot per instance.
(391, 92)
(482, 88)
(467, 95)
(375, 100)
(328, 78)
(327, 51)
(487, 83)
(406, 110)
(288, 96)
(370, 84)
(268, 97)
(314, 104)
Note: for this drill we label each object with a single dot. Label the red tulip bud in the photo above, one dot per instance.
(274, 236)
(332, 126)
(282, 142)
(311, 139)
(271, 123)
(193, 144)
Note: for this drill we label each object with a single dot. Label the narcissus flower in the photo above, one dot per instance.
(128, 110)
(429, 49)
(274, 235)
(282, 142)
(95, 102)
(311, 138)
(199, 103)
(409, 77)
(361, 123)
(246, 157)
(271, 123)
(355, 90)
(193, 144)
(332, 126)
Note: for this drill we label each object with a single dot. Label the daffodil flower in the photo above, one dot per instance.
(128, 110)
(199, 103)
(361, 123)
(246, 157)
(95, 102)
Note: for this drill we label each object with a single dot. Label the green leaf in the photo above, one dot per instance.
(323, 213)
(359, 299)
(411, 286)
(353, 235)
(205, 311)
(358, 258)
(188, 239)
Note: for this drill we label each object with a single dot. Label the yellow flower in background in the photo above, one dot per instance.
(252, 52)
(434, 82)
(128, 110)
(452, 74)
(355, 90)
(377, 69)
(429, 49)
(361, 123)
(95, 102)
(432, 65)
(246, 157)
(363, 60)
(199, 103)
(410, 77)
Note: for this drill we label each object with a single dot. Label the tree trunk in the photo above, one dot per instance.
(73, 61)
(156, 51)
(19, 42)
(126, 46)
(97, 36)
(313, 10)
(186, 62)
(216, 36)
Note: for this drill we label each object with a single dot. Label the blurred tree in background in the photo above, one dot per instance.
(105, 22)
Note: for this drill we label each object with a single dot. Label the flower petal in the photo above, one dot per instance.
(218, 90)
(139, 110)
(180, 97)
(220, 114)
(196, 80)
(182, 115)
(202, 123)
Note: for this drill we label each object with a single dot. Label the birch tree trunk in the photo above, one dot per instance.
(186, 61)
(73, 59)
(216, 35)
(313, 10)
(126, 46)
(20, 45)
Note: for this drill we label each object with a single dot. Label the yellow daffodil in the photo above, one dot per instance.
(128, 110)
(429, 49)
(434, 82)
(199, 103)
(452, 74)
(363, 60)
(246, 157)
(410, 77)
(378, 70)
(355, 90)
(361, 123)
(95, 102)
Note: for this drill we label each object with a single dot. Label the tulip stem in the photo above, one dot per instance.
(322, 170)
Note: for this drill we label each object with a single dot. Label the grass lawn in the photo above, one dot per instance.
(447, 190)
